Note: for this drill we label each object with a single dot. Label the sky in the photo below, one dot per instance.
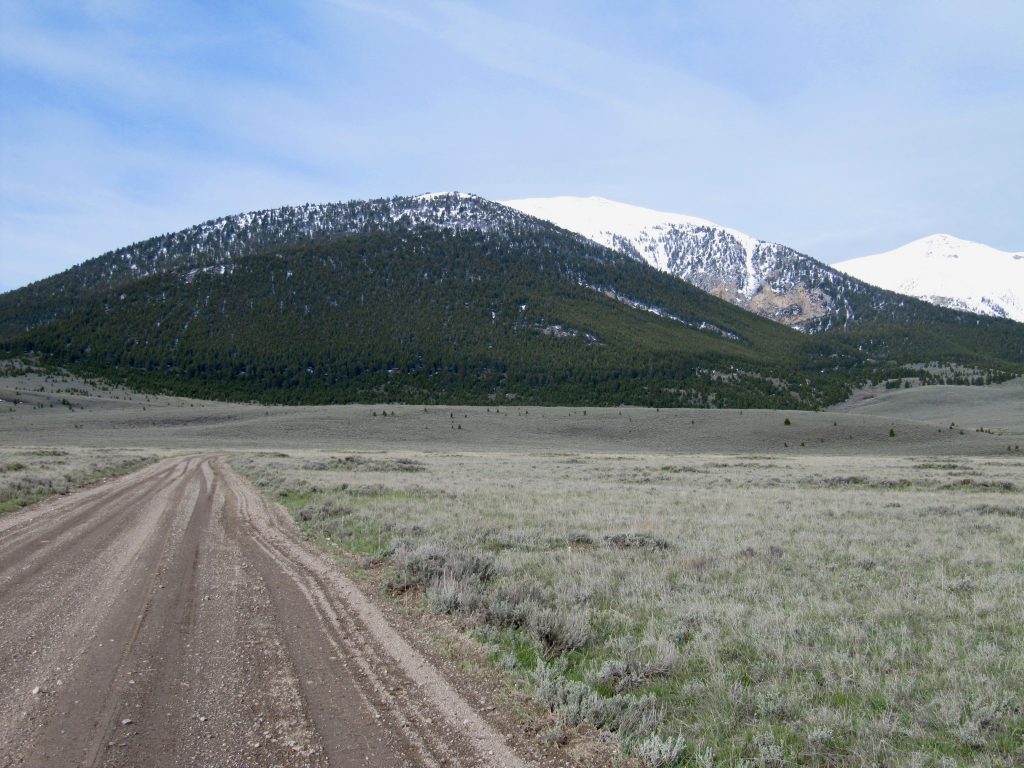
(840, 129)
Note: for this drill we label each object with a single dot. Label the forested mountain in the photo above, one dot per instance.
(221, 242)
(448, 298)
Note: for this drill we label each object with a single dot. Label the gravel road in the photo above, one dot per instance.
(171, 617)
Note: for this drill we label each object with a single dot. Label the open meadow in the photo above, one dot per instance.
(758, 588)
(767, 609)
(996, 407)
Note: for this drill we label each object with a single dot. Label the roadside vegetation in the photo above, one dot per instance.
(28, 475)
(705, 610)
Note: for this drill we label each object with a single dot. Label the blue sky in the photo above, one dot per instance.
(838, 128)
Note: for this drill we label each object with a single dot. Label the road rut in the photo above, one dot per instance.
(171, 617)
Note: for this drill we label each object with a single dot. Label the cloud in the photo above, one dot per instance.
(837, 128)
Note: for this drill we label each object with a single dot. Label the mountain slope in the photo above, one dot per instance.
(223, 240)
(767, 278)
(950, 272)
(772, 280)
(454, 298)
(433, 299)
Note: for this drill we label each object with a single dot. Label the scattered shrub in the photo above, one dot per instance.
(658, 752)
(617, 675)
(639, 661)
(417, 567)
(629, 717)
(322, 510)
(636, 541)
(579, 539)
(559, 631)
(427, 563)
(444, 595)
(506, 613)
(665, 657)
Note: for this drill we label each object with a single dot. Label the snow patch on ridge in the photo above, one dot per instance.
(430, 196)
(703, 325)
(603, 220)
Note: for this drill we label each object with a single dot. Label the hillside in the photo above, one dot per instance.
(450, 298)
(224, 240)
(996, 409)
(428, 314)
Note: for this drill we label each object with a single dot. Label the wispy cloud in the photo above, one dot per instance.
(548, 58)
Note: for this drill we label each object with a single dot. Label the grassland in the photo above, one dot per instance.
(770, 610)
(999, 407)
(28, 475)
(59, 411)
(712, 588)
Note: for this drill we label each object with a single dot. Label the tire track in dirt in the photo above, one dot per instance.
(64, 521)
(172, 618)
(64, 642)
(439, 722)
(50, 621)
(30, 552)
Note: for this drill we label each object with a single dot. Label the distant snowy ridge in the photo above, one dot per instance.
(767, 278)
(950, 272)
(609, 222)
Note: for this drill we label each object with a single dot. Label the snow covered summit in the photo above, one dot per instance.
(767, 278)
(609, 223)
(950, 272)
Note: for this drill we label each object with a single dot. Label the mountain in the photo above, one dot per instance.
(436, 298)
(772, 280)
(221, 242)
(454, 298)
(950, 272)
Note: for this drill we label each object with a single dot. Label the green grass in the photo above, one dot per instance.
(23, 499)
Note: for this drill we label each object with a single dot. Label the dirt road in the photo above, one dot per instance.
(171, 618)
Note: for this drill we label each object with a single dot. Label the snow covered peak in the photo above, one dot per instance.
(948, 271)
(766, 278)
(598, 214)
(941, 246)
(606, 221)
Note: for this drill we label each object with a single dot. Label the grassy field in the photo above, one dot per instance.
(732, 588)
(56, 411)
(770, 610)
(999, 407)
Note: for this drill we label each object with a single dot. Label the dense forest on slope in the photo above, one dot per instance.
(225, 240)
(442, 317)
(451, 299)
